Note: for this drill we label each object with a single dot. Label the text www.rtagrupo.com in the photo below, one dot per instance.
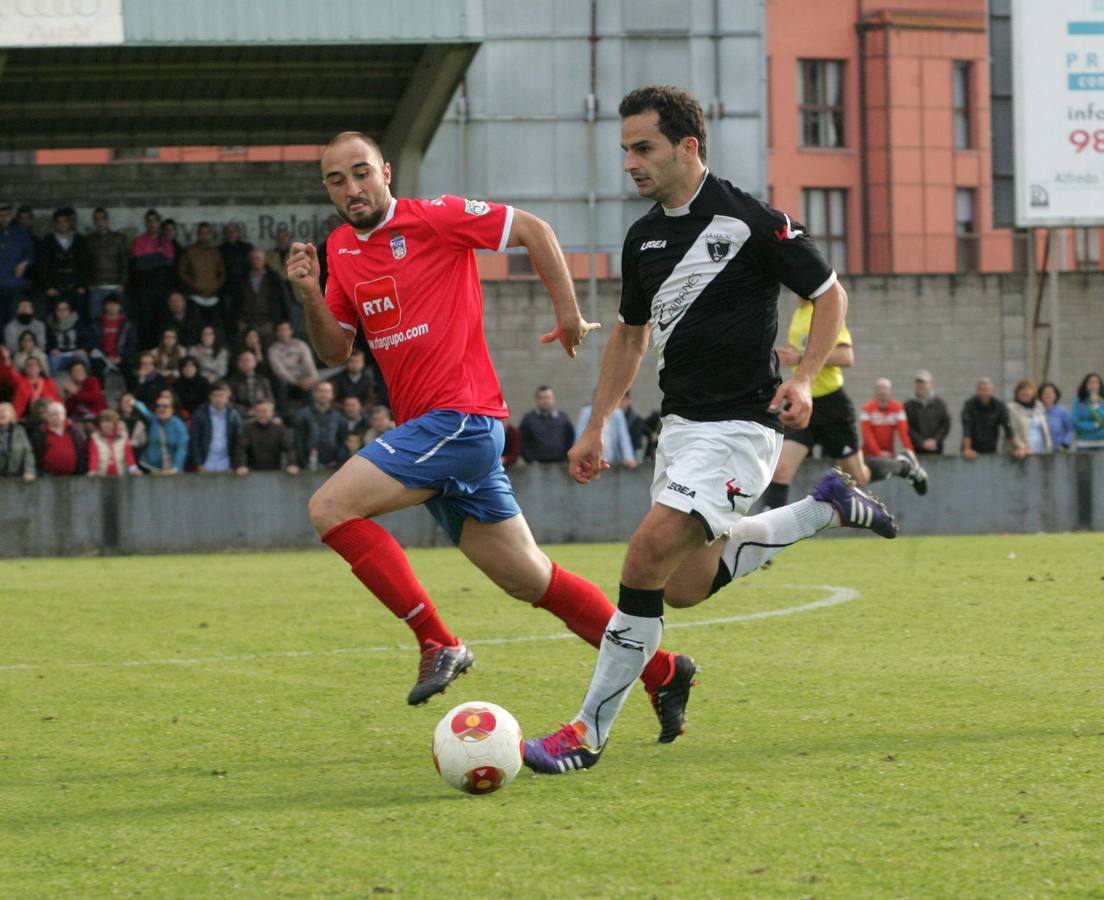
(391, 340)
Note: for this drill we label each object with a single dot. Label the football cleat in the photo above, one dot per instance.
(562, 751)
(440, 666)
(669, 699)
(856, 508)
(916, 476)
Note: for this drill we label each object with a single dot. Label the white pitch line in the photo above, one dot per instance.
(836, 596)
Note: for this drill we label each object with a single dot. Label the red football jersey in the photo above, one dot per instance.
(413, 286)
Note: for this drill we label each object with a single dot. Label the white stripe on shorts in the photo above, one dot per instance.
(443, 441)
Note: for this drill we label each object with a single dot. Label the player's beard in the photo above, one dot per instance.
(364, 221)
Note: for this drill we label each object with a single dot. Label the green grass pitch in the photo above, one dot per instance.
(236, 726)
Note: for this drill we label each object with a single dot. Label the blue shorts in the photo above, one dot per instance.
(458, 454)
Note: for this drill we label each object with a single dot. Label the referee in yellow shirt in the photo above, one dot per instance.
(833, 424)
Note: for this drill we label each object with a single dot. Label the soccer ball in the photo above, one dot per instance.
(477, 747)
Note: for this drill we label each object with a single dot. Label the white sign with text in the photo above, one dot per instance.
(1058, 72)
(258, 223)
(60, 23)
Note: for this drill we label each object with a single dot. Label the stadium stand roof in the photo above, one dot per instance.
(230, 72)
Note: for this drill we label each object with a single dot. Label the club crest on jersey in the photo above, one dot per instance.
(476, 207)
(718, 246)
(398, 245)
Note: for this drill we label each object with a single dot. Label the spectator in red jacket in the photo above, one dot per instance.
(109, 449)
(882, 419)
(39, 384)
(13, 386)
(84, 396)
(60, 448)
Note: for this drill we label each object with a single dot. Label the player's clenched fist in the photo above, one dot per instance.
(302, 265)
(584, 459)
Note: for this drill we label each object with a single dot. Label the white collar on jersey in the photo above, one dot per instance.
(387, 218)
(684, 210)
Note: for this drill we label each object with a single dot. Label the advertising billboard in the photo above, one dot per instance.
(1058, 72)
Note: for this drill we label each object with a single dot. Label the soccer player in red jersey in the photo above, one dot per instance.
(404, 272)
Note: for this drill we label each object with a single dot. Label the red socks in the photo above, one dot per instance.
(583, 608)
(379, 562)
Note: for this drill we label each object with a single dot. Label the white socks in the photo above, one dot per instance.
(755, 539)
(627, 645)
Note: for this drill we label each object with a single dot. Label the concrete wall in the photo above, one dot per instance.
(958, 326)
(88, 517)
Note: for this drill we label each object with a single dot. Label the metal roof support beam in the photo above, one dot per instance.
(420, 109)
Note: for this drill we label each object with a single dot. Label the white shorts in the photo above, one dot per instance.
(714, 471)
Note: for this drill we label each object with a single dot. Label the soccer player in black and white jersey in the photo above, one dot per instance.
(702, 271)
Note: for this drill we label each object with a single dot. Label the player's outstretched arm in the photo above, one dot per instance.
(620, 363)
(537, 236)
(794, 396)
(331, 342)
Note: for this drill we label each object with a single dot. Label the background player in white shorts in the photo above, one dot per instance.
(702, 272)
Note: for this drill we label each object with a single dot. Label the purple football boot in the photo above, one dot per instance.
(856, 508)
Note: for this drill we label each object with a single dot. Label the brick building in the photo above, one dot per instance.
(880, 140)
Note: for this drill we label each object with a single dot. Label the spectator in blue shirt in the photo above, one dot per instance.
(17, 252)
(1058, 417)
(617, 445)
(215, 438)
(167, 445)
(1088, 413)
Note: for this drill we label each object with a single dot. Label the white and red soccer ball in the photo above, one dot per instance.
(478, 747)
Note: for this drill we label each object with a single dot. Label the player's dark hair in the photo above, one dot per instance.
(152, 212)
(680, 115)
(217, 386)
(1083, 388)
(99, 209)
(203, 225)
(543, 387)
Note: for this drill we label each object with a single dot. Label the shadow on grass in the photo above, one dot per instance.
(274, 800)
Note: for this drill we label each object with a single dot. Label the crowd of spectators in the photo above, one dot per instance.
(1033, 421)
(128, 357)
(125, 357)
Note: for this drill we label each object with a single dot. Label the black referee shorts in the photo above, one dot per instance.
(833, 425)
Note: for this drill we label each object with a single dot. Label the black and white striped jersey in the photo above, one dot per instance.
(706, 276)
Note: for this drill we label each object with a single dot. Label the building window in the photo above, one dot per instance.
(825, 215)
(966, 236)
(960, 104)
(1086, 248)
(820, 102)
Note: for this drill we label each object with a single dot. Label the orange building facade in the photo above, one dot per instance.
(879, 132)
